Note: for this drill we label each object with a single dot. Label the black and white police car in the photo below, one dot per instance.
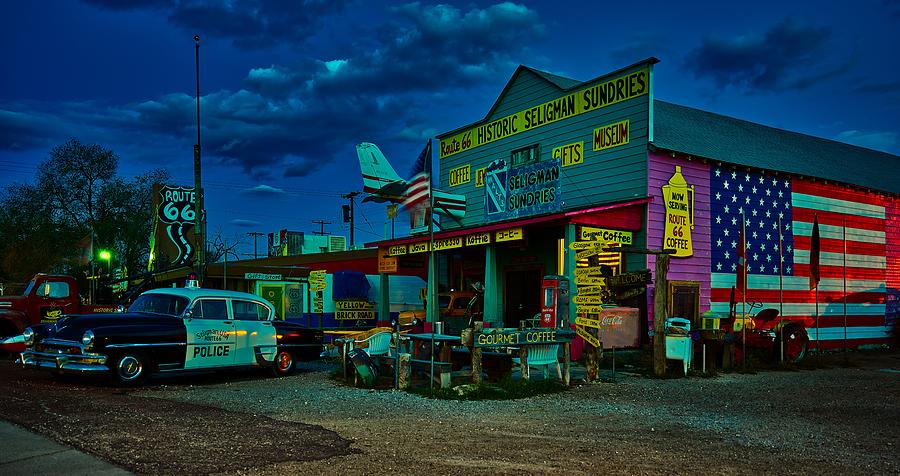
(169, 330)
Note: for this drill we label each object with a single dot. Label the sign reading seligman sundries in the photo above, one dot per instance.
(622, 88)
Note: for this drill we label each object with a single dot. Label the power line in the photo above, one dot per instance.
(321, 224)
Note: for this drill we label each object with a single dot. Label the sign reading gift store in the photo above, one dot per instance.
(521, 191)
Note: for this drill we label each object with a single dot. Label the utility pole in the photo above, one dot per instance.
(200, 234)
(321, 224)
(351, 195)
(255, 235)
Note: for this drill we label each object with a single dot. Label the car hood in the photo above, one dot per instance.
(72, 327)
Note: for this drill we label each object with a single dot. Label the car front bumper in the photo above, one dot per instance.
(54, 358)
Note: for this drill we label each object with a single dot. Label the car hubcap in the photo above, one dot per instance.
(284, 361)
(130, 368)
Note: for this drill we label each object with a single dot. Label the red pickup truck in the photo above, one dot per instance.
(46, 298)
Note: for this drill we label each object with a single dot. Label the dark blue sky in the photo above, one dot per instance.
(288, 88)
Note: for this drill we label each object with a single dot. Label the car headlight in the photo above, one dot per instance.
(87, 339)
(29, 336)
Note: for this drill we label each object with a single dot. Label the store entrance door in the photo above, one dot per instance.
(523, 295)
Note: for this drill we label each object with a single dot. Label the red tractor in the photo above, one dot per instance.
(765, 332)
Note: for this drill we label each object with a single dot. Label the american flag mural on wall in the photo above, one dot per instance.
(762, 199)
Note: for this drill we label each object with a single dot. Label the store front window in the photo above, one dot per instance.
(684, 300)
(525, 156)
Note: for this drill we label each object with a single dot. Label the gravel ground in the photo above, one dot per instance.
(835, 420)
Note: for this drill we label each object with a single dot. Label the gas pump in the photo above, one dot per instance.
(555, 301)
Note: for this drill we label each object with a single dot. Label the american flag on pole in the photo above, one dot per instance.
(763, 198)
(418, 191)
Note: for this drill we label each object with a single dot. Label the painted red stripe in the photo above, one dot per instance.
(837, 246)
(833, 321)
(839, 344)
(795, 296)
(836, 191)
(377, 179)
(838, 272)
(838, 219)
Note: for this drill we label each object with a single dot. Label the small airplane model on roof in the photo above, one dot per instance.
(383, 184)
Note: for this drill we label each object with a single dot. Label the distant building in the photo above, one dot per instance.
(293, 243)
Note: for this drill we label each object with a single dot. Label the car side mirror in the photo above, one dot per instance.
(189, 314)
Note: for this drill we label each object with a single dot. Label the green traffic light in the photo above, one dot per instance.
(105, 255)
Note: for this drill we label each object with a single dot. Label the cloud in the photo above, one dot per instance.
(248, 23)
(879, 88)
(245, 223)
(292, 119)
(263, 191)
(787, 56)
(886, 141)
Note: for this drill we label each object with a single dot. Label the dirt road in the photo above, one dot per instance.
(838, 420)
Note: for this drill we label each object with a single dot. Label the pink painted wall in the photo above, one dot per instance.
(696, 267)
(892, 251)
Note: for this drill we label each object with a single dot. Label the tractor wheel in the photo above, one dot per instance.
(796, 343)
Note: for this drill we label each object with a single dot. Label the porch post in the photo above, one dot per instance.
(492, 295)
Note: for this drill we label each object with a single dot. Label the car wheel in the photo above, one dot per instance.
(284, 363)
(796, 343)
(130, 368)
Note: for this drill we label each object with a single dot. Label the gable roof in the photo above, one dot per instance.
(714, 136)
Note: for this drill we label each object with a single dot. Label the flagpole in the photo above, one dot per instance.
(780, 291)
(844, 226)
(432, 272)
(743, 271)
(818, 250)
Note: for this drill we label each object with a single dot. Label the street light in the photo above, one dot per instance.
(105, 255)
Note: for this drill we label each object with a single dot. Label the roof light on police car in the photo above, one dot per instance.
(28, 333)
(87, 339)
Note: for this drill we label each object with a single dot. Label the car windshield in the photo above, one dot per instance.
(165, 304)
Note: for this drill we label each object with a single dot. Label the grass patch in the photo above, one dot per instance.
(506, 389)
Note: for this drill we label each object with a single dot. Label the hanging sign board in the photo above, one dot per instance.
(589, 233)
(587, 322)
(511, 234)
(589, 290)
(586, 335)
(588, 280)
(388, 264)
(353, 310)
(587, 271)
(679, 217)
(597, 246)
(478, 239)
(588, 309)
(448, 243)
(397, 250)
(263, 276)
(418, 247)
(636, 278)
(595, 300)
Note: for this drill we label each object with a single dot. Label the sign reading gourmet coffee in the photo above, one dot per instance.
(514, 337)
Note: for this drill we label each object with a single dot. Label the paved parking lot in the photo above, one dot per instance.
(836, 419)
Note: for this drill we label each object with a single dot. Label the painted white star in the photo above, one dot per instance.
(789, 249)
(747, 199)
(734, 199)
(761, 224)
(734, 220)
(774, 269)
(718, 173)
(740, 187)
(787, 270)
(769, 258)
(787, 183)
(762, 268)
(774, 247)
(749, 245)
(753, 212)
(761, 179)
(787, 204)
(774, 182)
(733, 244)
(768, 192)
(747, 177)
(733, 175)
(768, 236)
(726, 209)
(718, 196)
(780, 215)
(762, 202)
(726, 185)
(780, 194)
(774, 225)
(725, 232)
(762, 246)
(727, 255)
(718, 266)
(753, 189)
(719, 243)
(718, 220)
(755, 257)
(754, 235)
(787, 227)
(768, 214)
(733, 266)
(774, 203)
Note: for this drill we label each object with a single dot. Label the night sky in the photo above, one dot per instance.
(288, 88)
